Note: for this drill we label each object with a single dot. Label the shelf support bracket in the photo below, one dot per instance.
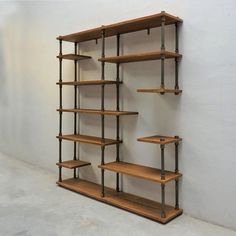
(162, 162)
(163, 214)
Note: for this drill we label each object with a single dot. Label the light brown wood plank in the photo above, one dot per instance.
(73, 57)
(160, 90)
(72, 164)
(129, 202)
(140, 171)
(89, 139)
(100, 112)
(123, 27)
(89, 82)
(158, 139)
(147, 56)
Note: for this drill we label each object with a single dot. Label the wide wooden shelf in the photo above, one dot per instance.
(89, 82)
(123, 27)
(72, 164)
(140, 171)
(158, 139)
(74, 57)
(137, 205)
(147, 56)
(89, 139)
(160, 90)
(99, 112)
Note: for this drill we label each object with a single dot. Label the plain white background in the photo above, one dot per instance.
(204, 115)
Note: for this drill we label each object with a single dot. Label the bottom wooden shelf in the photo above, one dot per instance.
(126, 201)
(160, 90)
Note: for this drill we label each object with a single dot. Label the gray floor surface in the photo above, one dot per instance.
(32, 204)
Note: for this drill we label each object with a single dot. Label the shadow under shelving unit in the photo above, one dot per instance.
(144, 207)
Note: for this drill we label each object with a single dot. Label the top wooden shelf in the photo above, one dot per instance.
(123, 27)
(158, 139)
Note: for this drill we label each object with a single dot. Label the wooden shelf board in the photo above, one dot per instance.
(99, 112)
(158, 139)
(147, 56)
(123, 27)
(139, 171)
(72, 164)
(137, 205)
(89, 139)
(73, 57)
(89, 82)
(160, 90)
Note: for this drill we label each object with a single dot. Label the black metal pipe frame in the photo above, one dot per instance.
(163, 214)
(176, 59)
(75, 106)
(163, 49)
(78, 107)
(118, 108)
(60, 106)
(102, 116)
(176, 171)
(162, 162)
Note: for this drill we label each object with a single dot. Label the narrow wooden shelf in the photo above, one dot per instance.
(72, 164)
(137, 205)
(158, 139)
(139, 171)
(99, 112)
(160, 90)
(148, 56)
(123, 27)
(74, 57)
(89, 139)
(89, 82)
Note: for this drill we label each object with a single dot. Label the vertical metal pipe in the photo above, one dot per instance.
(176, 157)
(78, 106)
(162, 162)
(102, 108)
(103, 78)
(163, 214)
(176, 171)
(162, 71)
(102, 171)
(117, 108)
(176, 194)
(75, 106)
(176, 38)
(163, 20)
(176, 59)
(60, 113)
(162, 49)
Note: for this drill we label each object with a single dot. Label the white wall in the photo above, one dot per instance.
(204, 115)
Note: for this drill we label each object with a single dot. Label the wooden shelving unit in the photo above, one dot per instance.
(160, 212)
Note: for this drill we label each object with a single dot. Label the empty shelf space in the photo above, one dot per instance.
(123, 27)
(72, 164)
(140, 171)
(89, 139)
(73, 57)
(160, 90)
(99, 112)
(89, 82)
(147, 56)
(158, 139)
(137, 205)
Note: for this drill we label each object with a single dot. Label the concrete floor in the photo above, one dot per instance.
(32, 204)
